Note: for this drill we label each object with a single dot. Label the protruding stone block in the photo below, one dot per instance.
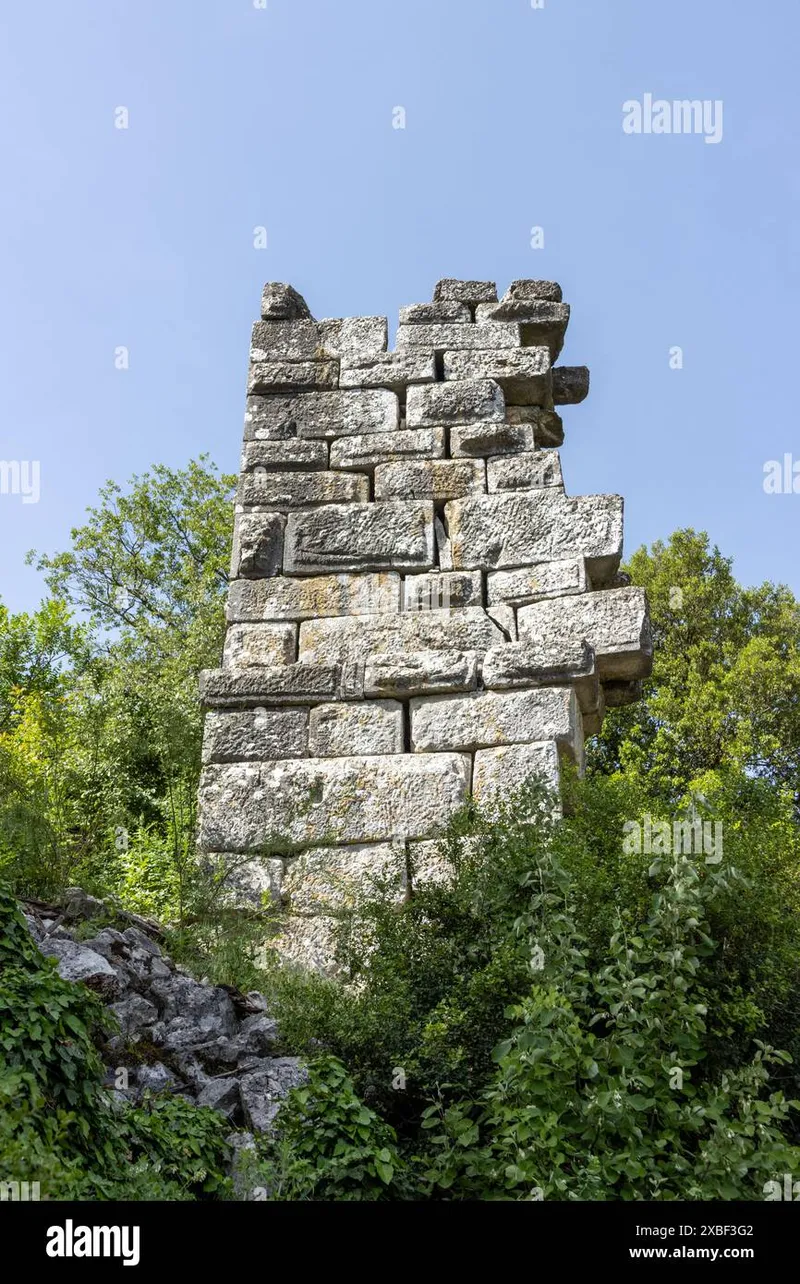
(498, 532)
(351, 537)
(529, 471)
(285, 490)
(257, 544)
(343, 730)
(281, 302)
(482, 719)
(529, 289)
(570, 385)
(491, 439)
(615, 623)
(451, 338)
(391, 370)
(382, 447)
(524, 374)
(276, 806)
(551, 662)
(308, 598)
(442, 590)
(445, 312)
(471, 292)
(291, 376)
(548, 429)
(275, 456)
(539, 321)
(247, 645)
(421, 673)
(533, 583)
(438, 479)
(283, 684)
(465, 402)
(354, 638)
(321, 414)
(255, 735)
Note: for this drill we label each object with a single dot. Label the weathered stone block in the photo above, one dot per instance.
(539, 321)
(472, 292)
(390, 370)
(382, 447)
(342, 730)
(259, 644)
(351, 537)
(257, 544)
(421, 673)
(255, 735)
(491, 439)
(615, 623)
(462, 402)
(532, 583)
(524, 374)
(354, 338)
(281, 302)
(570, 385)
(286, 341)
(453, 337)
(482, 719)
(501, 772)
(284, 598)
(547, 663)
(548, 429)
(291, 376)
(442, 590)
(528, 471)
(285, 684)
(276, 806)
(529, 289)
(321, 414)
(286, 490)
(437, 479)
(361, 637)
(498, 532)
(447, 312)
(325, 880)
(287, 454)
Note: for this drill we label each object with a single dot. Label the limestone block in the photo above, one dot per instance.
(287, 454)
(352, 537)
(259, 644)
(445, 312)
(321, 414)
(284, 684)
(570, 385)
(325, 880)
(257, 544)
(369, 727)
(524, 374)
(532, 583)
(285, 598)
(442, 591)
(437, 479)
(421, 673)
(499, 773)
(491, 439)
(498, 532)
(529, 289)
(428, 863)
(548, 429)
(286, 341)
(285, 806)
(361, 637)
(291, 376)
(483, 719)
(255, 735)
(549, 662)
(354, 338)
(366, 451)
(472, 292)
(464, 402)
(615, 623)
(285, 490)
(540, 321)
(528, 471)
(390, 370)
(448, 337)
(281, 302)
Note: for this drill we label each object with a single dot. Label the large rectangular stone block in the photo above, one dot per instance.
(444, 312)
(547, 426)
(291, 376)
(351, 537)
(541, 321)
(354, 338)
(500, 773)
(287, 490)
(321, 414)
(483, 719)
(275, 806)
(533, 583)
(358, 638)
(390, 370)
(307, 598)
(447, 337)
(465, 402)
(498, 532)
(421, 673)
(383, 447)
(524, 374)
(288, 454)
(491, 439)
(344, 730)
(255, 735)
(442, 591)
(437, 479)
(615, 623)
(547, 663)
(259, 644)
(301, 683)
(529, 471)
(286, 341)
(472, 292)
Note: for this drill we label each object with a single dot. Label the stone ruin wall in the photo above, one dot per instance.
(417, 611)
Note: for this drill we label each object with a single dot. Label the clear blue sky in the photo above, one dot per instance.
(282, 117)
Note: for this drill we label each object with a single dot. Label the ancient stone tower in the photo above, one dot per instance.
(417, 610)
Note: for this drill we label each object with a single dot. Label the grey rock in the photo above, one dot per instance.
(360, 638)
(502, 771)
(80, 963)
(570, 385)
(472, 292)
(442, 590)
(615, 623)
(155, 1078)
(323, 415)
(286, 341)
(354, 338)
(263, 1091)
(222, 1095)
(281, 302)
(532, 583)
(448, 337)
(529, 289)
(484, 719)
(134, 1014)
(548, 429)
(302, 683)
(258, 544)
